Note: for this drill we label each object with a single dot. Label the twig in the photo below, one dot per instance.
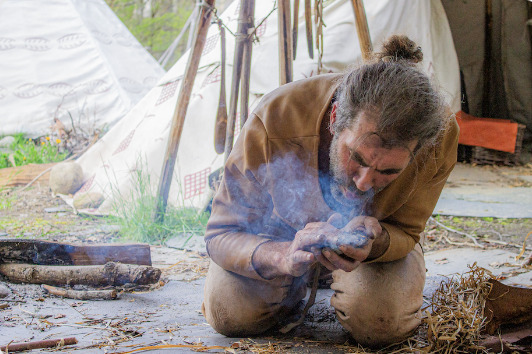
(17, 347)
(21, 301)
(457, 232)
(4, 306)
(81, 294)
(197, 347)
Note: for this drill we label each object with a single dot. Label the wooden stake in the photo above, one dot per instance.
(246, 6)
(246, 68)
(361, 23)
(308, 26)
(180, 112)
(220, 127)
(285, 43)
(295, 28)
(49, 343)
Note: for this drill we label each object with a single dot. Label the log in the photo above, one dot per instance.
(110, 274)
(285, 43)
(361, 23)
(180, 111)
(22, 175)
(55, 253)
(81, 294)
(49, 343)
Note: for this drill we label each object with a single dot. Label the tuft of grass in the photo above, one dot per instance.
(6, 198)
(134, 216)
(25, 151)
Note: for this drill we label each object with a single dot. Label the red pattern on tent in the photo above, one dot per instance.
(125, 143)
(196, 183)
(85, 187)
(210, 44)
(167, 92)
(261, 29)
(215, 76)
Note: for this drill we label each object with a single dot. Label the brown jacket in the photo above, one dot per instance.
(270, 186)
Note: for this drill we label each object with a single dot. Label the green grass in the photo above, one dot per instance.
(25, 151)
(6, 198)
(134, 215)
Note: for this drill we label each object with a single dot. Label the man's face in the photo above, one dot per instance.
(359, 163)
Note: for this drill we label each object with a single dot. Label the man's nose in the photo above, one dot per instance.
(364, 179)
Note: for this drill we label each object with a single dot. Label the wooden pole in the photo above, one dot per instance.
(220, 127)
(246, 68)
(308, 26)
(295, 27)
(361, 23)
(488, 29)
(178, 119)
(242, 33)
(285, 43)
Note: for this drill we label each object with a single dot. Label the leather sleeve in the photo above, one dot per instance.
(242, 205)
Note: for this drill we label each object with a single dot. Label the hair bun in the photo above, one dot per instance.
(400, 48)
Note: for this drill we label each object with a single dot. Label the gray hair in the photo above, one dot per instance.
(401, 97)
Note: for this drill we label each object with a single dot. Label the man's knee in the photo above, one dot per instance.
(379, 328)
(237, 306)
(379, 304)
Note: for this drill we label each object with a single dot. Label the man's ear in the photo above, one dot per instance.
(332, 117)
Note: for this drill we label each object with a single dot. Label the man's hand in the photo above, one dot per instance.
(351, 257)
(273, 259)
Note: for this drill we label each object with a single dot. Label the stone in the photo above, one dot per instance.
(66, 178)
(6, 141)
(88, 200)
(4, 291)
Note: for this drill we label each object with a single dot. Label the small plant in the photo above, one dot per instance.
(6, 198)
(25, 151)
(135, 219)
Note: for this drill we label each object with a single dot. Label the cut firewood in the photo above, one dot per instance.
(50, 343)
(114, 274)
(507, 305)
(22, 175)
(55, 253)
(81, 294)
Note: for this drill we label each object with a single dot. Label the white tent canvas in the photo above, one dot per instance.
(68, 59)
(137, 143)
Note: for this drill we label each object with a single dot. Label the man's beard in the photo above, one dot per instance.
(341, 182)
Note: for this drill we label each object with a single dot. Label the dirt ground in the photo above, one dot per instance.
(35, 213)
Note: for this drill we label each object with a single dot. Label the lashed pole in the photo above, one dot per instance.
(246, 8)
(285, 43)
(220, 127)
(308, 27)
(246, 67)
(361, 23)
(180, 111)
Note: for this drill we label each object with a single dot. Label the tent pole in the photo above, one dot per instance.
(246, 68)
(308, 26)
(220, 127)
(285, 42)
(246, 6)
(165, 58)
(488, 29)
(294, 28)
(192, 30)
(180, 111)
(361, 23)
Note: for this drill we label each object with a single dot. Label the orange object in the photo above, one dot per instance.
(489, 133)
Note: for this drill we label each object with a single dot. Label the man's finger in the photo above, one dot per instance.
(324, 261)
(336, 220)
(340, 262)
(373, 227)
